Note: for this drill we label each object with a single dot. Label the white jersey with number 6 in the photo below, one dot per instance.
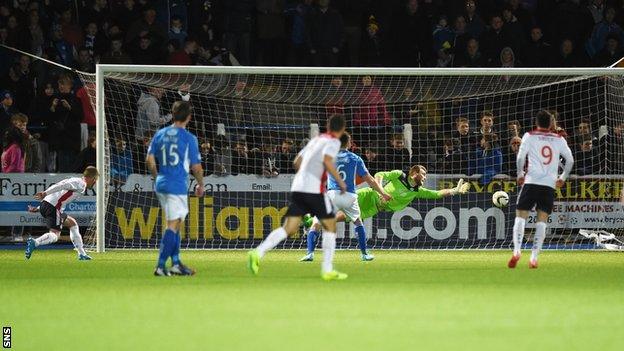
(311, 176)
(542, 149)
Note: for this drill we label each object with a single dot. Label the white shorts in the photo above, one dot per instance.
(175, 206)
(352, 211)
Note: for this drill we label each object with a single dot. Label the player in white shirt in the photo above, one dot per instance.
(308, 196)
(542, 149)
(52, 207)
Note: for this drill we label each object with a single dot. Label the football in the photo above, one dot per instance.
(500, 199)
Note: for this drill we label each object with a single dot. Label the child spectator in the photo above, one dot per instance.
(488, 160)
(285, 157)
(398, 157)
(33, 162)
(13, 151)
(86, 157)
(451, 160)
(584, 157)
(510, 156)
(373, 161)
(240, 159)
(121, 163)
(176, 31)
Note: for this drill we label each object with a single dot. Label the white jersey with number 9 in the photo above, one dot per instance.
(542, 149)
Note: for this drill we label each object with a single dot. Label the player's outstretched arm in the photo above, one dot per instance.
(461, 188)
(65, 184)
(373, 183)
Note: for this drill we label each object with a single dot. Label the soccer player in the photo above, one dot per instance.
(308, 196)
(543, 149)
(52, 207)
(348, 165)
(176, 150)
(403, 189)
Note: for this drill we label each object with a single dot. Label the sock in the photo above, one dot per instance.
(538, 240)
(175, 255)
(518, 234)
(166, 247)
(329, 246)
(276, 237)
(312, 235)
(46, 239)
(361, 234)
(76, 239)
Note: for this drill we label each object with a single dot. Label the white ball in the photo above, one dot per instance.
(500, 199)
(343, 200)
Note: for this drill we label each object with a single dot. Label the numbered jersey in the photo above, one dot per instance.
(542, 149)
(175, 150)
(348, 165)
(311, 176)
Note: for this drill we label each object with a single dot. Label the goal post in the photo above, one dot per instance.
(243, 115)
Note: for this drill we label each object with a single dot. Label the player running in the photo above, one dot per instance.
(308, 196)
(543, 150)
(176, 150)
(348, 166)
(52, 207)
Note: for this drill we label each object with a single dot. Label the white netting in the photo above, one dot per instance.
(396, 121)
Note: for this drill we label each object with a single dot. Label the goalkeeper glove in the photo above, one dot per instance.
(461, 188)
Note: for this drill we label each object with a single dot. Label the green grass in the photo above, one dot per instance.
(405, 300)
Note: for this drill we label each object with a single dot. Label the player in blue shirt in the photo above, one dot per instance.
(348, 165)
(172, 153)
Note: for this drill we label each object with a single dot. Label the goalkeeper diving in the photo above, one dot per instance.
(402, 189)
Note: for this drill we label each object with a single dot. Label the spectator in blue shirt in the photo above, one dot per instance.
(121, 163)
(488, 160)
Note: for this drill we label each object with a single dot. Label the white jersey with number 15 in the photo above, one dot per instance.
(542, 149)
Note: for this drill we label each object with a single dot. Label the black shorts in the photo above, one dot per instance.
(317, 205)
(54, 218)
(540, 196)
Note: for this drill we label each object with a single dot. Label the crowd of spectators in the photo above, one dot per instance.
(408, 33)
(47, 120)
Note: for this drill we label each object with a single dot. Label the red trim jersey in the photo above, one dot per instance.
(63, 192)
(543, 149)
(311, 176)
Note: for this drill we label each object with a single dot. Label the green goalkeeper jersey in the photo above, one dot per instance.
(396, 185)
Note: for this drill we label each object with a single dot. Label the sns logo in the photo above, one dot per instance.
(6, 337)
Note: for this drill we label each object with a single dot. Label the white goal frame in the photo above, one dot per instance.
(103, 70)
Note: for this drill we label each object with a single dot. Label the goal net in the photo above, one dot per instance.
(458, 124)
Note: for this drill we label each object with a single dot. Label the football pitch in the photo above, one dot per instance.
(416, 300)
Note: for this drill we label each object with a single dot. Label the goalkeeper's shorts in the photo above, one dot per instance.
(369, 202)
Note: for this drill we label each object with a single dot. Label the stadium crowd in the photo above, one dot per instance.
(47, 120)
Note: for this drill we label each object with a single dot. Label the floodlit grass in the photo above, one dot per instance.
(404, 300)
